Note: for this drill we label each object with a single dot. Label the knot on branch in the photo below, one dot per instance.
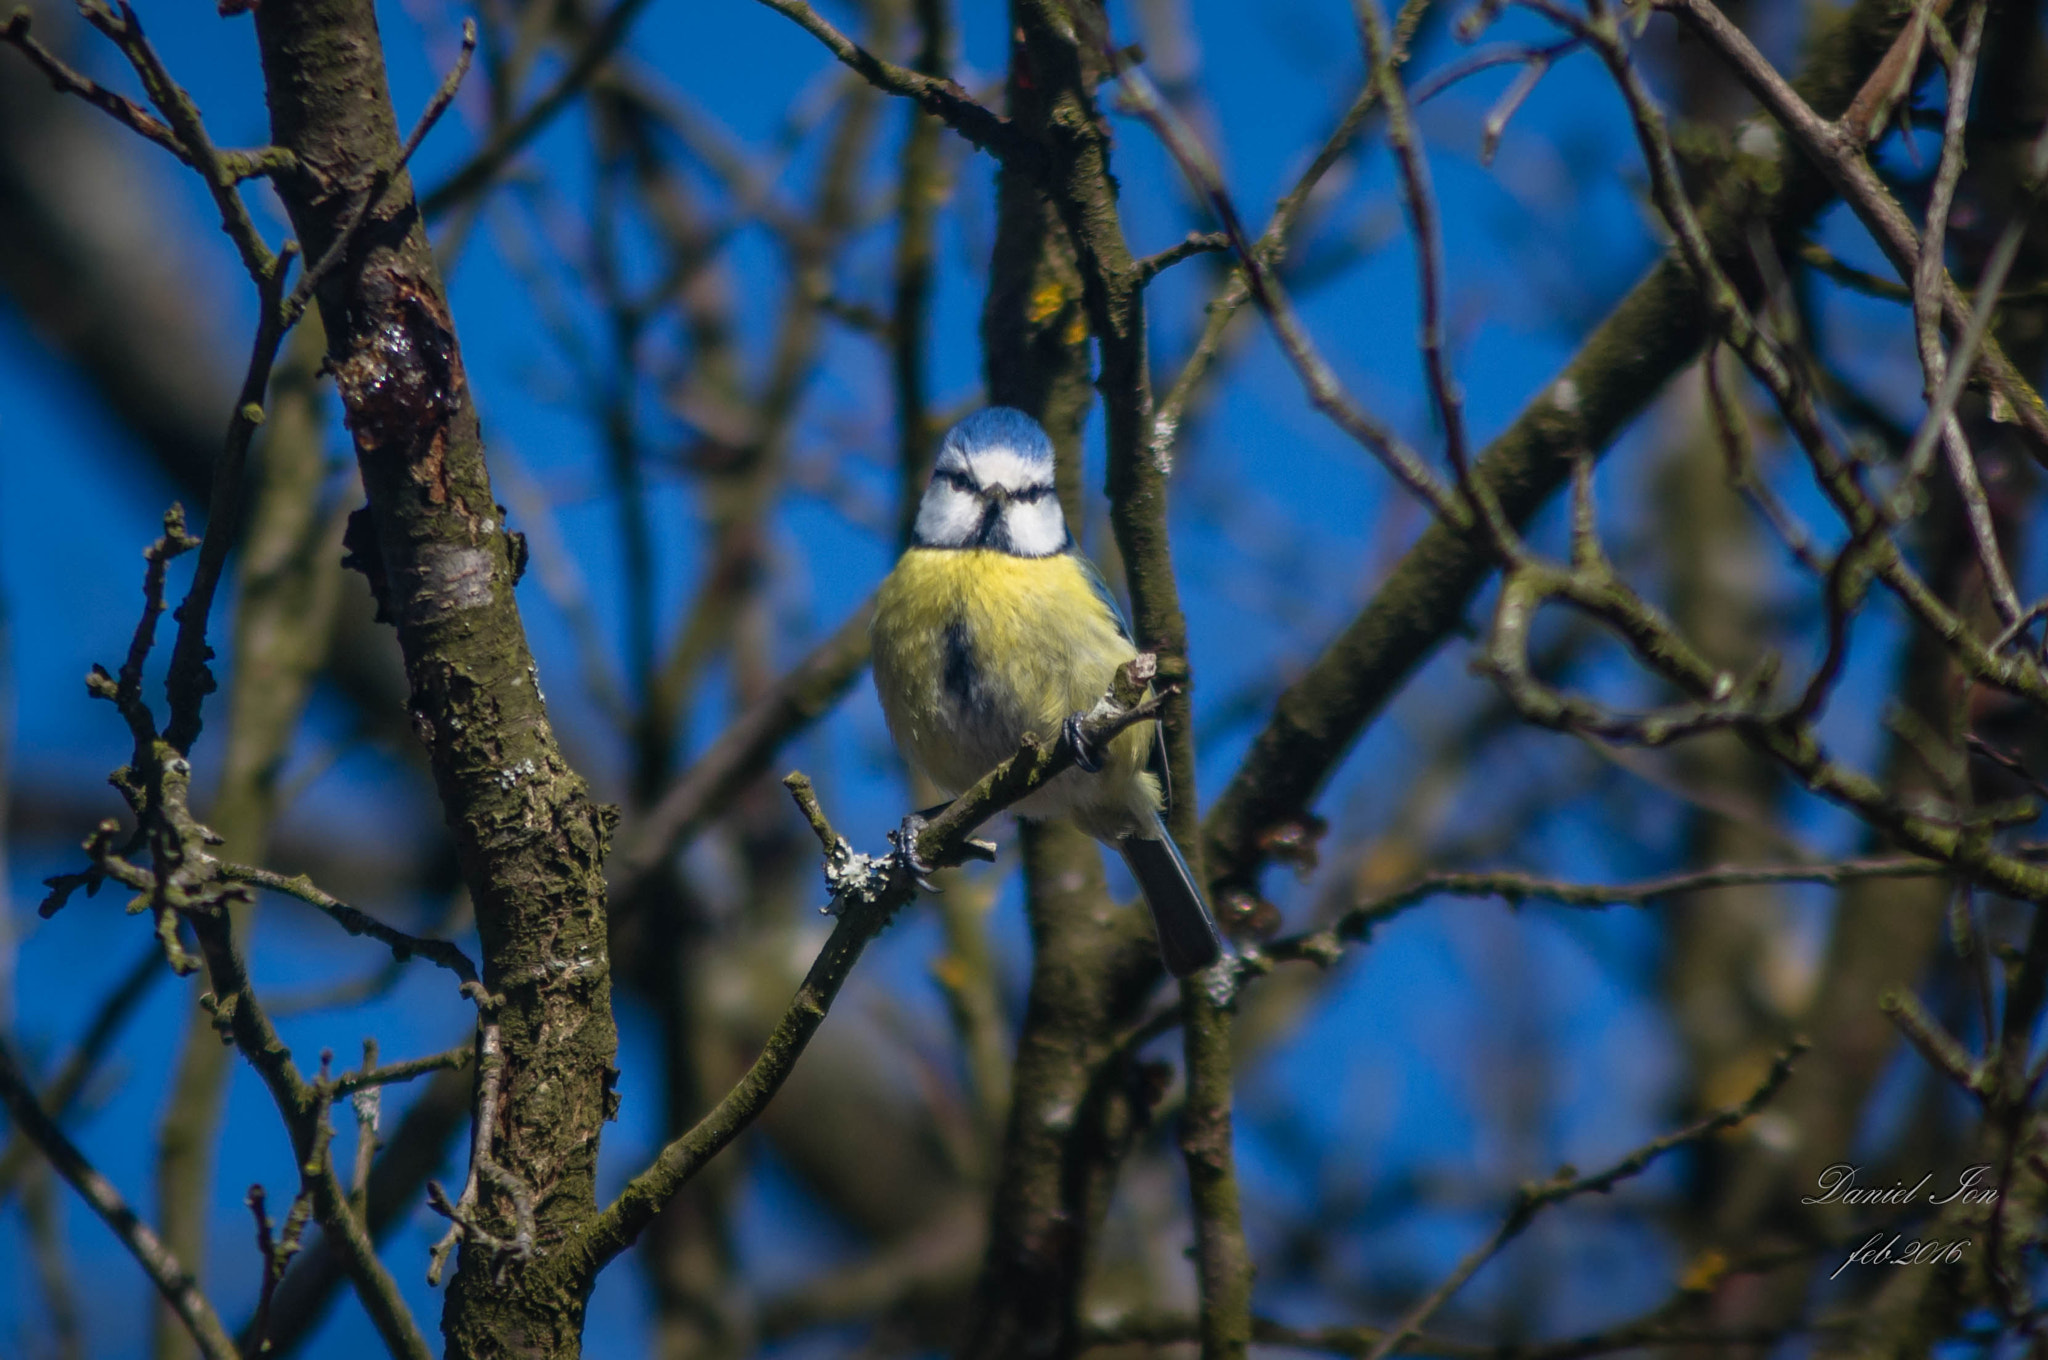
(220, 1012)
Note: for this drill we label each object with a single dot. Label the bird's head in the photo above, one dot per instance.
(992, 488)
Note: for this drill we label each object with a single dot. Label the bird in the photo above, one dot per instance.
(993, 626)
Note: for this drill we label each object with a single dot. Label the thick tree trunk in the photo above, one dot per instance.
(435, 547)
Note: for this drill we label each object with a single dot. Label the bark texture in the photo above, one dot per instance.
(434, 545)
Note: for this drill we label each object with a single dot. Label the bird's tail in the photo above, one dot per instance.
(1188, 938)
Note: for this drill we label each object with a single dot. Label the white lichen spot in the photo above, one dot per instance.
(1565, 396)
(1759, 138)
(1220, 981)
(1164, 431)
(533, 678)
(509, 778)
(1059, 1118)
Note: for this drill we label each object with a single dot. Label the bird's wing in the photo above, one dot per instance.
(1102, 592)
(1156, 762)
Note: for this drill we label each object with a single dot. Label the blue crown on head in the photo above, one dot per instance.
(996, 427)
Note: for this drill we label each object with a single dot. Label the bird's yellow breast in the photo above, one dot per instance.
(973, 649)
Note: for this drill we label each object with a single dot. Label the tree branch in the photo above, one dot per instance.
(1566, 1184)
(1656, 330)
(1066, 44)
(474, 175)
(1326, 944)
(868, 892)
(529, 838)
(171, 1280)
(936, 95)
(742, 751)
(1837, 149)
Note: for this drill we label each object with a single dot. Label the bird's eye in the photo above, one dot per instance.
(959, 481)
(1030, 494)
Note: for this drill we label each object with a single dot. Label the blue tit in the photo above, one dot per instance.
(993, 626)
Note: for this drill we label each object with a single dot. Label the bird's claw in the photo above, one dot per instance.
(904, 857)
(1078, 743)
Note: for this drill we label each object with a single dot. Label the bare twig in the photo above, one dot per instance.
(444, 95)
(1271, 247)
(1838, 149)
(1930, 270)
(1325, 945)
(1636, 349)
(372, 196)
(277, 1251)
(490, 1063)
(402, 945)
(305, 1107)
(370, 1078)
(1325, 391)
(1937, 1045)
(171, 1279)
(936, 95)
(1420, 198)
(65, 80)
(742, 751)
(475, 174)
(121, 26)
(867, 893)
(1717, 701)
(1193, 244)
(1567, 1184)
(368, 1103)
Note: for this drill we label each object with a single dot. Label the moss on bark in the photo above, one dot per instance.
(434, 543)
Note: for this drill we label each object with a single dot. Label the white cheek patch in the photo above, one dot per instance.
(947, 517)
(1036, 528)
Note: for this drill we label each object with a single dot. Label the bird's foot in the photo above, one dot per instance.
(904, 858)
(1084, 751)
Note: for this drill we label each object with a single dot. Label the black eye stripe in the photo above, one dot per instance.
(961, 481)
